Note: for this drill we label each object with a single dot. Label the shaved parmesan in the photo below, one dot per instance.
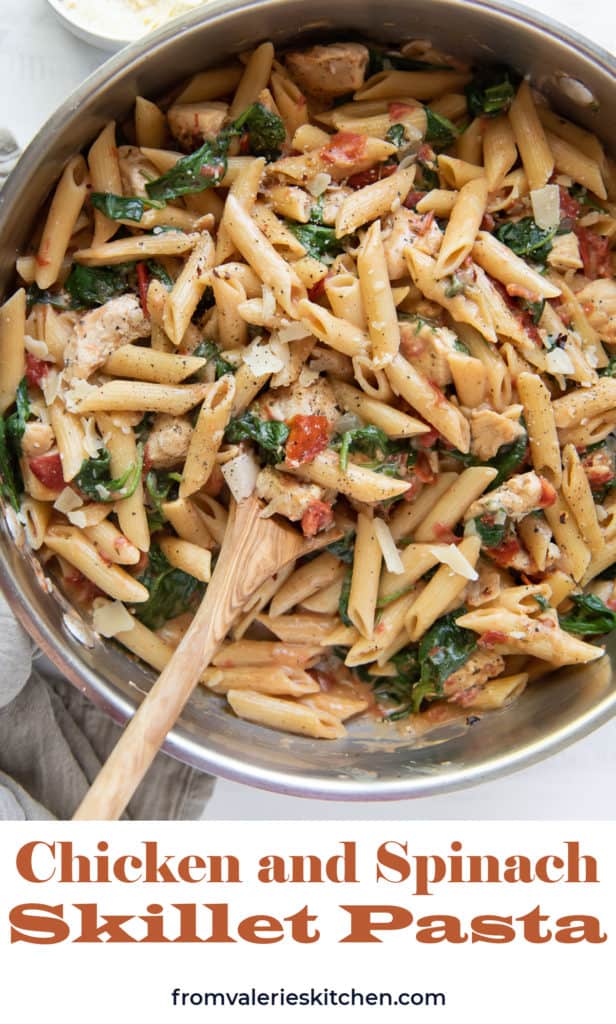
(91, 442)
(77, 518)
(50, 385)
(307, 376)
(317, 185)
(292, 331)
(260, 358)
(67, 501)
(387, 544)
(449, 554)
(546, 206)
(557, 361)
(110, 618)
(268, 302)
(241, 475)
(37, 348)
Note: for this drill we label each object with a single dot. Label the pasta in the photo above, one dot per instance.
(390, 317)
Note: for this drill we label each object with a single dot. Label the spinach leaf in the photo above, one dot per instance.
(490, 532)
(12, 429)
(399, 688)
(429, 176)
(461, 347)
(210, 351)
(93, 286)
(490, 92)
(439, 129)
(269, 435)
(370, 440)
(159, 484)
(266, 130)
(344, 548)
(44, 296)
(121, 207)
(585, 198)
(507, 459)
(94, 477)
(157, 270)
(396, 135)
(454, 286)
(444, 649)
(205, 168)
(534, 309)
(525, 238)
(381, 60)
(319, 241)
(590, 617)
(171, 591)
(610, 369)
(343, 600)
(543, 603)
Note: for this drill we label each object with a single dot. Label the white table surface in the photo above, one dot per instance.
(40, 63)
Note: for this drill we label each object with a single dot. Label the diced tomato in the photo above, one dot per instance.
(370, 176)
(413, 490)
(245, 143)
(412, 199)
(142, 281)
(425, 153)
(445, 534)
(493, 636)
(505, 552)
(440, 397)
(344, 149)
(548, 494)
(516, 291)
(36, 369)
(318, 290)
(429, 439)
(398, 110)
(487, 222)
(413, 346)
(48, 469)
(317, 516)
(309, 436)
(80, 589)
(423, 469)
(595, 253)
(599, 469)
(611, 603)
(569, 207)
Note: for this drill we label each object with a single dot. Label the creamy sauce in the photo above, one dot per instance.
(126, 19)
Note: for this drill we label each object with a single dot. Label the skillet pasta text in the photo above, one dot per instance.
(374, 288)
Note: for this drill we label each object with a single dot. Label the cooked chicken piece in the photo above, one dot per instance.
(333, 199)
(427, 346)
(599, 303)
(462, 687)
(286, 496)
(98, 333)
(598, 465)
(404, 228)
(490, 430)
(517, 497)
(565, 253)
(135, 170)
(192, 123)
(487, 587)
(317, 399)
(329, 71)
(37, 439)
(168, 441)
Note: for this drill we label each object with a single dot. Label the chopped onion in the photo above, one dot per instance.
(241, 475)
(546, 206)
(449, 554)
(391, 556)
(110, 618)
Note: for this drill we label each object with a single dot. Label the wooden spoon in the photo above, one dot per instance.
(253, 549)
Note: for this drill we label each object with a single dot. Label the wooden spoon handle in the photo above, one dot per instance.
(236, 576)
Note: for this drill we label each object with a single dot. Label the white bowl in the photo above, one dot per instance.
(74, 24)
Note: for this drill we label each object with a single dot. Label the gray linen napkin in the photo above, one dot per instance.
(53, 741)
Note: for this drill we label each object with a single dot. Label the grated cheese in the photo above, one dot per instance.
(110, 618)
(449, 554)
(387, 544)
